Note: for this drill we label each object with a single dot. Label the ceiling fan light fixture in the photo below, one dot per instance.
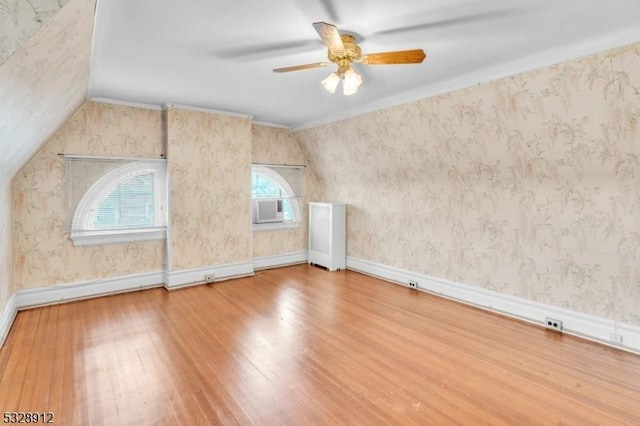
(344, 52)
(351, 82)
(331, 82)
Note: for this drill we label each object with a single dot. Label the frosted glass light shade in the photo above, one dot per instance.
(351, 82)
(331, 82)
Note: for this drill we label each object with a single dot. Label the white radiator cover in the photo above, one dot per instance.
(327, 235)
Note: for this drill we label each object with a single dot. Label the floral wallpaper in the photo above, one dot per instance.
(21, 18)
(44, 81)
(6, 287)
(528, 186)
(271, 145)
(209, 159)
(42, 252)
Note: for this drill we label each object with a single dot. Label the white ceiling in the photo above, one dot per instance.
(220, 54)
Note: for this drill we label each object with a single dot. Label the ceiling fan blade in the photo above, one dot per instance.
(331, 37)
(400, 57)
(302, 67)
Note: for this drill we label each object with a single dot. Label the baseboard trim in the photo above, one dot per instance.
(586, 326)
(278, 260)
(576, 323)
(8, 316)
(49, 295)
(53, 294)
(195, 276)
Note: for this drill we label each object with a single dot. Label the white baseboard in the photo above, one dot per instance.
(275, 261)
(6, 319)
(49, 295)
(189, 277)
(587, 326)
(630, 335)
(583, 325)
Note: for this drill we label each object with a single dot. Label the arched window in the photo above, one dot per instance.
(266, 183)
(123, 202)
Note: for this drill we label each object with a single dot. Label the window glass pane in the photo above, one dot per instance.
(288, 213)
(131, 204)
(264, 187)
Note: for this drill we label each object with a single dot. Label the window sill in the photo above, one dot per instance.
(91, 238)
(275, 226)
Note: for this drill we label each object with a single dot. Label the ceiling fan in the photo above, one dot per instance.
(343, 51)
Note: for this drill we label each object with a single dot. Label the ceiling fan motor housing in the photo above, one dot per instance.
(352, 53)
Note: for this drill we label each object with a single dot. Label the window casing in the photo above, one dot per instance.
(124, 200)
(284, 182)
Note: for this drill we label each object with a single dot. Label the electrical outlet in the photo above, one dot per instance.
(553, 324)
(209, 278)
(615, 338)
(413, 284)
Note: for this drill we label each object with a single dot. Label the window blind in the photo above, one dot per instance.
(103, 194)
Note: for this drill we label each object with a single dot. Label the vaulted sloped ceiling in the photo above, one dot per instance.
(43, 82)
(19, 19)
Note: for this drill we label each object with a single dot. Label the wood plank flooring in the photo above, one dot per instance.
(300, 345)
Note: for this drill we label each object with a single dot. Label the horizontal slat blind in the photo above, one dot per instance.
(114, 194)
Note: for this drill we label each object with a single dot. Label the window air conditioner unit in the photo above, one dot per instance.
(268, 210)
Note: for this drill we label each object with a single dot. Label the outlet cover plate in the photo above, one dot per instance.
(553, 324)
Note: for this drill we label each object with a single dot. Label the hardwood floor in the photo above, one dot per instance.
(300, 345)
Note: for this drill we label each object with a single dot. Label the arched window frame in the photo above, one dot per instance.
(288, 194)
(82, 231)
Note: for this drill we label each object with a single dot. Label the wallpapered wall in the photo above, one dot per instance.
(272, 145)
(6, 286)
(44, 81)
(210, 177)
(42, 252)
(21, 18)
(210, 166)
(528, 185)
